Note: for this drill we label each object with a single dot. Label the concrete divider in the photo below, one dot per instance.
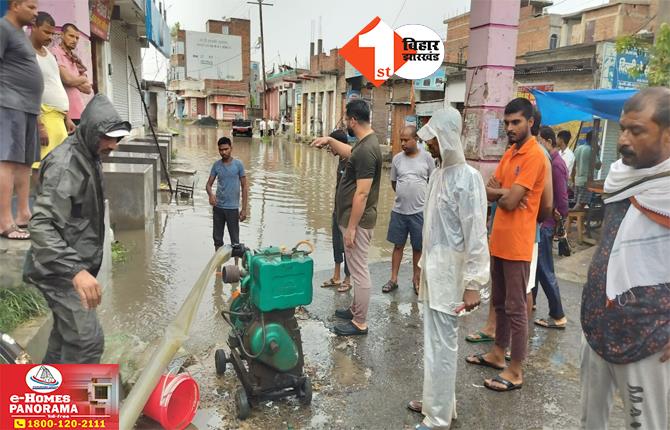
(139, 158)
(148, 148)
(130, 190)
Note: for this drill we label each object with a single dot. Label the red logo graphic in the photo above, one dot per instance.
(372, 54)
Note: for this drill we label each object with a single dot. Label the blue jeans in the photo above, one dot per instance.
(545, 274)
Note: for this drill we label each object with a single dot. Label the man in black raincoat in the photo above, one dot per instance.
(68, 231)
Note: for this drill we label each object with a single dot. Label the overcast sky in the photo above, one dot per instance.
(288, 23)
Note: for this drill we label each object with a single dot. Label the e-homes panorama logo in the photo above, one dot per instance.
(378, 52)
(43, 379)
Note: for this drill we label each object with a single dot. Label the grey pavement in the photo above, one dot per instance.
(366, 382)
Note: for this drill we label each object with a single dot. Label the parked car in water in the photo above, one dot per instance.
(242, 127)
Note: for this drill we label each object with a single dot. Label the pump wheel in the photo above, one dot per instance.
(305, 392)
(242, 404)
(231, 274)
(220, 361)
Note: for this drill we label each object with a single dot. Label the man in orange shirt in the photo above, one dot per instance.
(516, 186)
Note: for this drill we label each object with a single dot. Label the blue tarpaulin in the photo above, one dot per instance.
(563, 106)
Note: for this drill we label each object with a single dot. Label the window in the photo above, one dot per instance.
(553, 41)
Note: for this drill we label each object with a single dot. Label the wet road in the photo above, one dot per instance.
(361, 383)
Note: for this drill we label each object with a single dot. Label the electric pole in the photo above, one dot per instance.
(265, 82)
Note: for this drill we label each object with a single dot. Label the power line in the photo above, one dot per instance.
(399, 12)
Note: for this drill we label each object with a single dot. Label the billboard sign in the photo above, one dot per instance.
(158, 31)
(101, 13)
(213, 56)
(434, 82)
(619, 70)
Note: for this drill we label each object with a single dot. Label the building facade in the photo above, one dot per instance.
(210, 72)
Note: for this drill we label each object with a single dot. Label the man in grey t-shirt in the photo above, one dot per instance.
(21, 87)
(410, 172)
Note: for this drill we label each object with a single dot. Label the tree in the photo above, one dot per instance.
(175, 28)
(658, 69)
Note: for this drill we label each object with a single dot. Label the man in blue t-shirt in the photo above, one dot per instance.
(230, 176)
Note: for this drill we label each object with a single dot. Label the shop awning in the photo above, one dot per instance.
(563, 106)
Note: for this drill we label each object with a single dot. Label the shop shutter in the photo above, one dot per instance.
(119, 70)
(609, 152)
(135, 103)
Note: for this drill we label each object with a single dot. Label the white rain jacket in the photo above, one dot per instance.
(455, 245)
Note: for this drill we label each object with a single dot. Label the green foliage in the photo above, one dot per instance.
(119, 252)
(175, 28)
(659, 63)
(18, 305)
(658, 69)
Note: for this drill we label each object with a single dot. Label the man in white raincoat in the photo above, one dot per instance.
(454, 265)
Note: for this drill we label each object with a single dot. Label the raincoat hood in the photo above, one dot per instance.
(98, 118)
(445, 125)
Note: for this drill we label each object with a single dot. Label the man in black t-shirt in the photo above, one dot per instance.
(356, 209)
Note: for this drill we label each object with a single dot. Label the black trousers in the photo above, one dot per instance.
(221, 218)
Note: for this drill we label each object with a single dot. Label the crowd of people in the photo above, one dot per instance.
(460, 247)
(41, 103)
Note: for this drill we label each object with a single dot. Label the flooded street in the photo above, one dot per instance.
(361, 383)
(291, 194)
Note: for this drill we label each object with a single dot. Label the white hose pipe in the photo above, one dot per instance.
(175, 334)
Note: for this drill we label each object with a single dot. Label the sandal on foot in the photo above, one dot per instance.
(389, 286)
(509, 386)
(549, 323)
(15, 233)
(478, 337)
(344, 287)
(330, 283)
(415, 406)
(479, 360)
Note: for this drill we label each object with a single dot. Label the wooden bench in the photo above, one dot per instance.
(578, 216)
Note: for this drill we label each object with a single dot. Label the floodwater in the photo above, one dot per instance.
(291, 194)
(361, 382)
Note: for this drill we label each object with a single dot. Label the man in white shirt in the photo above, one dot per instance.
(261, 127)
(53, 120)
(271, 127)
(563, 140)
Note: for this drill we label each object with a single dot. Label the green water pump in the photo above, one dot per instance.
(265, 343)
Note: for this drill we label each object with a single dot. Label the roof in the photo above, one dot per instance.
(605, 5)
(560, 66)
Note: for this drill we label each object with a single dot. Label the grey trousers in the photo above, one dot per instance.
(644, 387)
(440, 357)
(76, 336)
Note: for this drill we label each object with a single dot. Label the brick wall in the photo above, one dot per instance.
(327, 62)
(533, 34)
(458, 32)
(636, 16)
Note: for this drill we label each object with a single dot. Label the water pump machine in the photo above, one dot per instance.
(264, 341)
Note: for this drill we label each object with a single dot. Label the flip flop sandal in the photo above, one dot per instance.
(509, 386)
(480, 337)
(7, 234)
(389, 286)
(549, 323)
(330, 283)
(481, 361)
(344, 287)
